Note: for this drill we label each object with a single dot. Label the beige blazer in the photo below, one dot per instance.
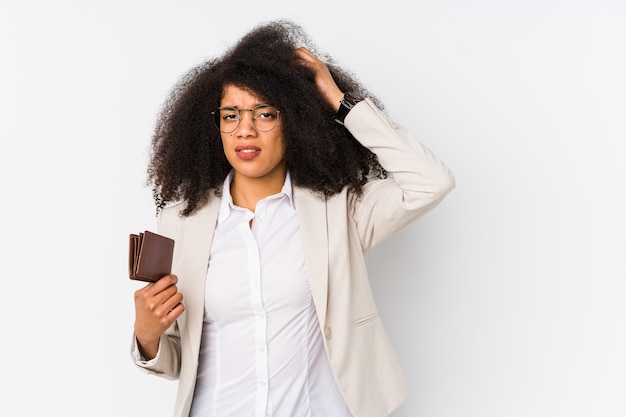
(336, 234)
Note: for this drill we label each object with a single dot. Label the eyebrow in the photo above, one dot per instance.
(255, 106)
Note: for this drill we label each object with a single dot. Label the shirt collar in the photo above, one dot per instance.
(227, 205)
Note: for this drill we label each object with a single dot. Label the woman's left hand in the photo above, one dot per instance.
(323, 79)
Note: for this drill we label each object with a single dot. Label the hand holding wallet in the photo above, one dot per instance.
(150, 256)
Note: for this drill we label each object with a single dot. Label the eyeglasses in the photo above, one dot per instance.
(264, 118)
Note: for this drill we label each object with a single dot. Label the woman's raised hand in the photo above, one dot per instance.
(323, 79)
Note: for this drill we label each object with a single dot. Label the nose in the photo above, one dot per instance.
(246, 123)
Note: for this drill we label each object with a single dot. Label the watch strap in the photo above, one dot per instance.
(348, 101)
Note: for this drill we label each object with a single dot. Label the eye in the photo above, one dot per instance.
(265, 113)
(229, 115)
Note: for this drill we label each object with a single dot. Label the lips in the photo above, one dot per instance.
(247, 152)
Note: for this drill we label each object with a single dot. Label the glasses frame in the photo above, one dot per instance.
(215, 113)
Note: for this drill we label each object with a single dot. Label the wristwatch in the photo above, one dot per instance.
(346, 104)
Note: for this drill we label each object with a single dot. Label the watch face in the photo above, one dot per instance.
(351, 99)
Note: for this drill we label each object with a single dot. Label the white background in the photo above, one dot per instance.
(507, 300)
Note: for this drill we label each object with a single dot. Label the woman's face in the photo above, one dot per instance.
(252, 153)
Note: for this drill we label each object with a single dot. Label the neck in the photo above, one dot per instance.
(246, 191)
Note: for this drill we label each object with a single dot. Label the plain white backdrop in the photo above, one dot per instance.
(508, 300)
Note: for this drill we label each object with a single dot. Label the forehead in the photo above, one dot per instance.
(233, 95)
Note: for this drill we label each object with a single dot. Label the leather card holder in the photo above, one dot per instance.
(149, 256)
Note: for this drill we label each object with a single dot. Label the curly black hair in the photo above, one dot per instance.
(187, 162)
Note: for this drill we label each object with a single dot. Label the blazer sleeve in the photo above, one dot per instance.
(418, 180)
(167, 363)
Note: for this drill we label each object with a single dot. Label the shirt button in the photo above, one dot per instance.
(328, 333)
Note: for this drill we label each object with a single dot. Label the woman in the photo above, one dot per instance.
(274, 172)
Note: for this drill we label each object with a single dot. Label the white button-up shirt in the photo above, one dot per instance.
(262, 351)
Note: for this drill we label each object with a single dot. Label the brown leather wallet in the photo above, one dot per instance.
(150, 256)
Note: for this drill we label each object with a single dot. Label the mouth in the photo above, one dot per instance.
(247, 152)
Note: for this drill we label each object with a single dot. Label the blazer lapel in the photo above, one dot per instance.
(197, 238)
(312, 216)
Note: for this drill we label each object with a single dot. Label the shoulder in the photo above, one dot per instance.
(171, 211)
